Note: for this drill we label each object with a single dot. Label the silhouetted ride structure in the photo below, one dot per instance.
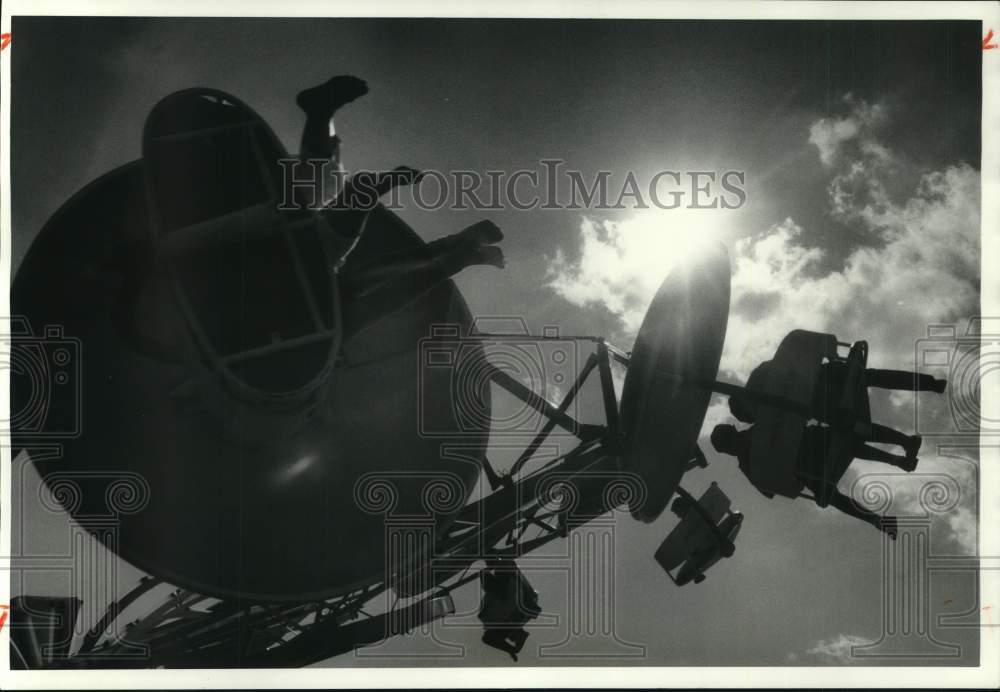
(261, 450)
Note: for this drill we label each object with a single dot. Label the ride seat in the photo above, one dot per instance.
(852, 408)
(777, 432)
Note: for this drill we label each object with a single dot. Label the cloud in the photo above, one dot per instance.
(918, 266)
(837, 649)
(925, 271)
(621, 264)
(921, 267)
(852, 134)
(777, 291)
(943, 490)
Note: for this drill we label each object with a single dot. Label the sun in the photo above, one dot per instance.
(622, 262)
(653, 241)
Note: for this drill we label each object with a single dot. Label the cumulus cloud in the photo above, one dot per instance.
(925, 271)
(854, 133)
(622, 263)
(775, 290)
(943, 491)
(837, 649)
(918, 267)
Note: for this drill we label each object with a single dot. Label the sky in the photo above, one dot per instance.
(859, 142)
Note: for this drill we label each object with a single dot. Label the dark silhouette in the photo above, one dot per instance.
(830, 384)
(509, 602)
(833, 376)
(320, 103)
(372, 291)
(811, 462)
(741, 407)
(344, 201)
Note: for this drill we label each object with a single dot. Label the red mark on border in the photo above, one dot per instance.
(3, 615)
(4, 40)
(986, 41)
